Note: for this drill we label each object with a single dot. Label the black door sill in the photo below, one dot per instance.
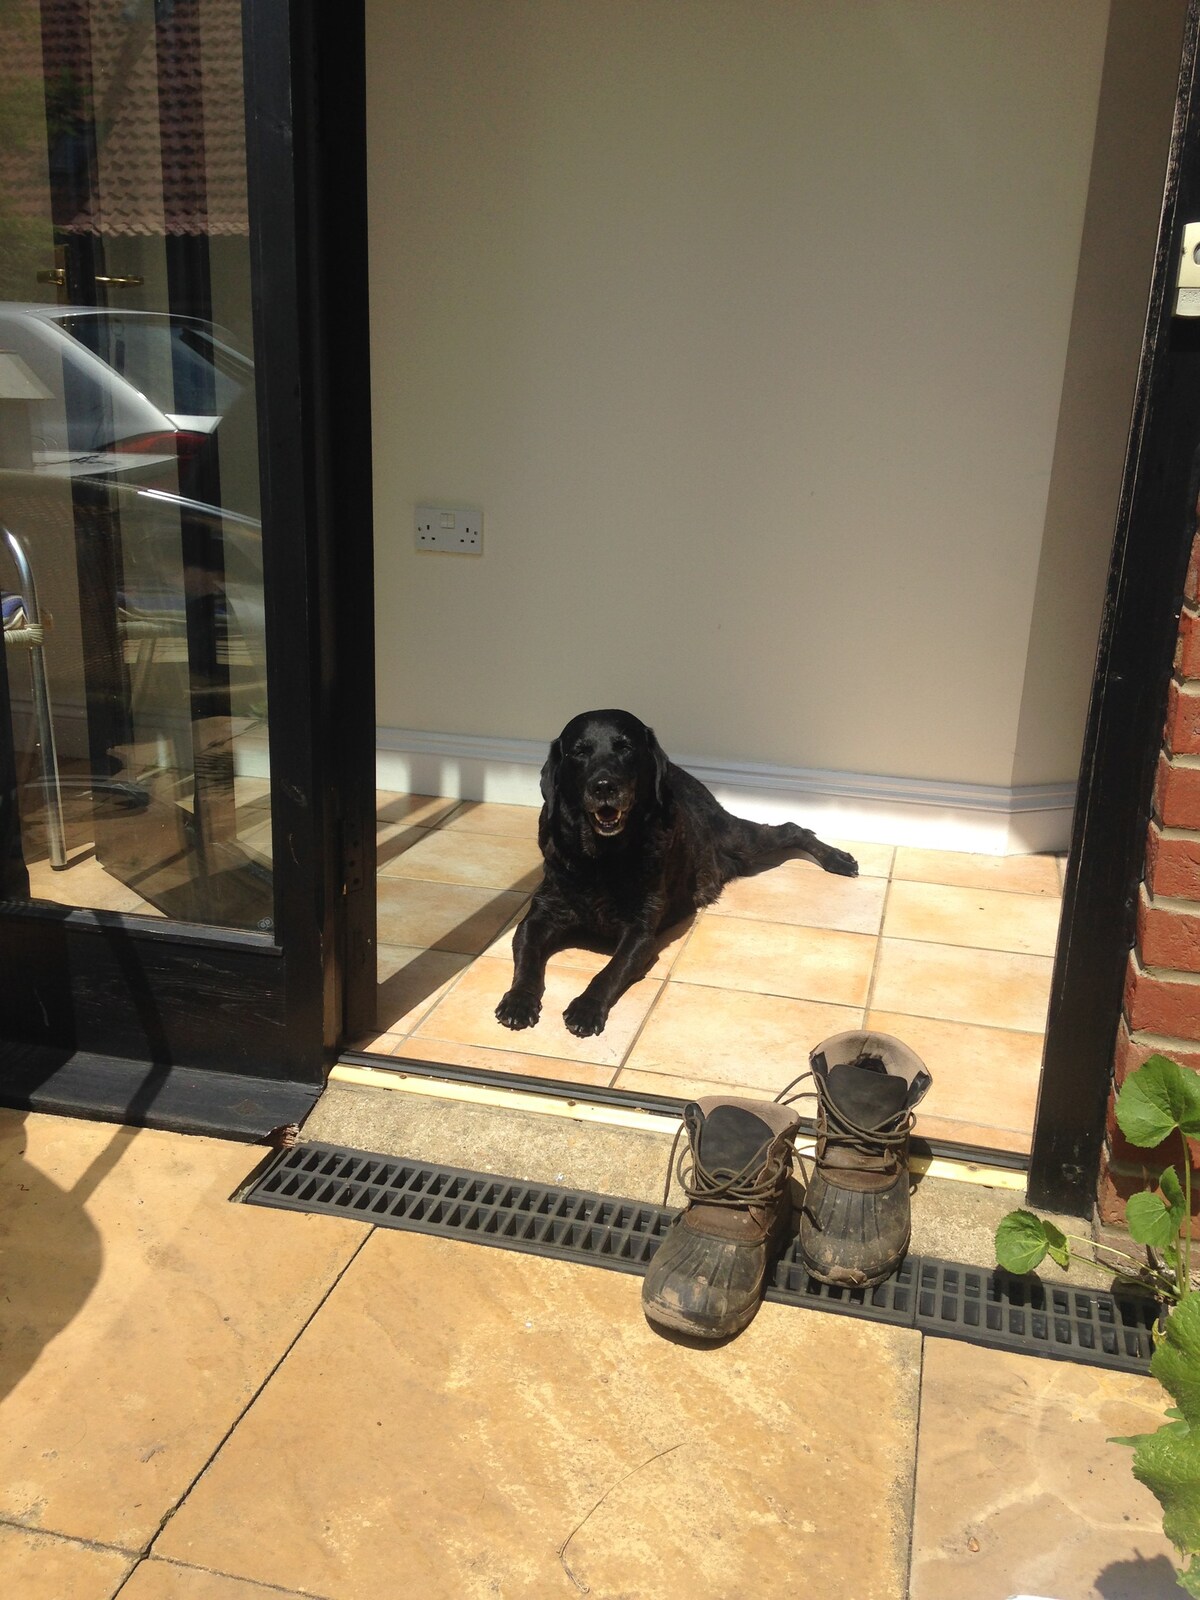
(226, 1105)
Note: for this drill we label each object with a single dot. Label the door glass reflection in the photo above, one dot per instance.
(130, 549)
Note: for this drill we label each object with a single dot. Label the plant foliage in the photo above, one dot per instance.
(1158, 1102)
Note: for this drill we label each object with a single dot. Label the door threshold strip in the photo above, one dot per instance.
(944, 1298)
(928, 1157)
(584, 1109)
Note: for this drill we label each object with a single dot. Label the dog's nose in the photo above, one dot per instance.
(604, 788)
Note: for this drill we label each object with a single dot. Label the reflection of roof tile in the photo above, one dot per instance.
(166, 103)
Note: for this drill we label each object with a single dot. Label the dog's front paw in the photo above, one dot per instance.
(841, 861)
(519, 1009)
(585, 1016)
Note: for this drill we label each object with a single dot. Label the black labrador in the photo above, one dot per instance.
(631, 843)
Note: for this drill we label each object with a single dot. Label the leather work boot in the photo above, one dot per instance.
(856, 1218)
(708, 1275)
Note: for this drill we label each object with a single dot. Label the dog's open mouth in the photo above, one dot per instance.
(607, 820)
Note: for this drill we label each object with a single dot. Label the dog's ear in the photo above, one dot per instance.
(658, 756)
(549, 779)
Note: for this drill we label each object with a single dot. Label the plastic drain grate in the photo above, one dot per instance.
(943, 1298)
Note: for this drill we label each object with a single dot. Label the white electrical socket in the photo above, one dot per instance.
(449, 528)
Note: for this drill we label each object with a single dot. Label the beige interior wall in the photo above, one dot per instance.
(1120, 226)
(745, 322)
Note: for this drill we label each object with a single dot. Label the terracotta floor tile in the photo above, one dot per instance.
(985, 1076)
(1019, 1487)
(874, 860)
(994, 988)
(564, 1448)
(394, 840)
(799, 892)
(86, 884)
(732, 1036)
(575, 959)
(678, 1086)
(442, 916)
(1021, 874)
(483, 860)
(774, 958)
(41, 1566)
(379, 1044)
(984, 919)
(981, 1135)
(151, 1311)
(427, 809)
(526, 1065)
(467, 1016)
(411, 981)
(490, 816)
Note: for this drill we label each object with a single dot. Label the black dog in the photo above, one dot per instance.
(632, 843)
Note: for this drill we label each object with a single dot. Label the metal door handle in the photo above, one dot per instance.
(58, 277)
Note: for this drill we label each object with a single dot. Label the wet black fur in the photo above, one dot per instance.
(676, 851)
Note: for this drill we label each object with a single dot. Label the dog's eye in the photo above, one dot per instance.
(580, 752)
(622, 747)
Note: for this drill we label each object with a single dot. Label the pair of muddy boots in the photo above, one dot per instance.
(709, 1274)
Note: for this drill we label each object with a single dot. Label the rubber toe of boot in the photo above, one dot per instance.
(706, 1287)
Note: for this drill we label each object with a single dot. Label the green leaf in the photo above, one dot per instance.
(1160, 1097)
(1151, 1220)
(1189, 1580)
(1056, 1244)
(1168, 1463)
(1021, 1242)
(1176, 1362)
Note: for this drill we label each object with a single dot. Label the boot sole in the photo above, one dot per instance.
(850, 1279)
(662, 1318)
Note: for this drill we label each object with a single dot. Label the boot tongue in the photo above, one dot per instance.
(865, 1092)
(730, 1138)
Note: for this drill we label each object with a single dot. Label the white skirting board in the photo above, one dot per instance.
(837, 805)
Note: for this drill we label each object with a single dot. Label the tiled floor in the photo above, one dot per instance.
(952, 953)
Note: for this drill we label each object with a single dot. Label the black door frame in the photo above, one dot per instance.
(184, 1026)
(1156, 523)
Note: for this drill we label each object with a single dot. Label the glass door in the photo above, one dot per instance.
(170, 548)
(133, 580)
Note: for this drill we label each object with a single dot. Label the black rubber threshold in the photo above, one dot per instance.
(981, 1305)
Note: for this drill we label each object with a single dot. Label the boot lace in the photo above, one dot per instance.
(889, 1138)
(721, 1186)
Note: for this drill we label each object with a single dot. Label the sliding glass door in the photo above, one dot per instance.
(181, 543)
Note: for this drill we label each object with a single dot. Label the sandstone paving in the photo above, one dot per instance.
(1019, 1491)
(141, 1314)
(43, 1566)
(167, 1580)
(464, 1421)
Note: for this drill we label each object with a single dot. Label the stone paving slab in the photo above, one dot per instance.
(41, 1566)
(141, 1313)
(462, 1421)
(164, 1580)
(1019, 1491)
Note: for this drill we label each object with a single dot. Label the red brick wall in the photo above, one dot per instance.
(1161, 1010)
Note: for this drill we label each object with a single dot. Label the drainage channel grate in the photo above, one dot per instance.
(938, 1297)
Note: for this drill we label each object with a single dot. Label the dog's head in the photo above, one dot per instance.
(604, 768)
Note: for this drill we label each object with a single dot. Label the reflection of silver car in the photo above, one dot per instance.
(135, 394)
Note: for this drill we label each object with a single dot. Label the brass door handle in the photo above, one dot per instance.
(58, 277)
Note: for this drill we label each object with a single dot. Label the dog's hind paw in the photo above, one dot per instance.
(518, 1010)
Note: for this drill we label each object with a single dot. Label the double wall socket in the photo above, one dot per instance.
(447, 528)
